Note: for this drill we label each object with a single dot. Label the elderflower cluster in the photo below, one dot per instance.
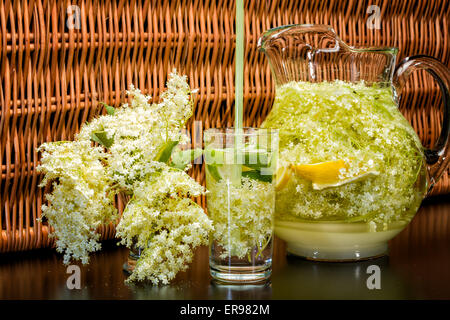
(360, 124)
(81, 199)
(140, 128)
(161, 219)
(137, 141)
(242, 216)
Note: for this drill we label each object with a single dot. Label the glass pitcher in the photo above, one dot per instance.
(352, 171)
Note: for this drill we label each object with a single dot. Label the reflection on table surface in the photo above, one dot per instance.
(417, 268)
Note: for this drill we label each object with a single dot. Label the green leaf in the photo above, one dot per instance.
(251, 159)
(101, 138)
(214, 156)
(257, 160)
(246, 172)
(214, 172)
(256, 175)
(182, 158)
(165, 151)
(109, 109)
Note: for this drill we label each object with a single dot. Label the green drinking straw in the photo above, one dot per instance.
(239, 90)
(239, 76)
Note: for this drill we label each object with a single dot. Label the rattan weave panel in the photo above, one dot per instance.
(51, 75)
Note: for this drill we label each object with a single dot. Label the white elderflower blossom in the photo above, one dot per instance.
(360, 124)
(81, 199)
(134, 158)
(242, 215)
(166, 224)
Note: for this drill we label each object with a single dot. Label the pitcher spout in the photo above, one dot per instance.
(307, 52)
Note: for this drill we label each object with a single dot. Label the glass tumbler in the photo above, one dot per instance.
(240, 166)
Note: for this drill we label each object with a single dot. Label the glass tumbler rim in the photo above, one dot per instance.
(246, 131)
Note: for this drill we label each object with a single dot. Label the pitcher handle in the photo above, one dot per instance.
(437, 159)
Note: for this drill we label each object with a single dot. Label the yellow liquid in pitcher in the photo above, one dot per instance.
(348, 154)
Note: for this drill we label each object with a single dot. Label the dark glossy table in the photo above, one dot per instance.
(418, 267)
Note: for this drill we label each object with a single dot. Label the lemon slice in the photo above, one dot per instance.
(282, 177)
(327, 174)
(341, 182)
(321, 173)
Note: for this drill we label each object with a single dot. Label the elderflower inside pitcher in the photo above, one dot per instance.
(352, 171)
(240, 164)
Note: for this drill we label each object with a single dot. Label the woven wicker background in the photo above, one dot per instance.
(52, 76)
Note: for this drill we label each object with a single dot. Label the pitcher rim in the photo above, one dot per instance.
(324, 28)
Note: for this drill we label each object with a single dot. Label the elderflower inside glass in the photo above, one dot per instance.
(240, 165)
